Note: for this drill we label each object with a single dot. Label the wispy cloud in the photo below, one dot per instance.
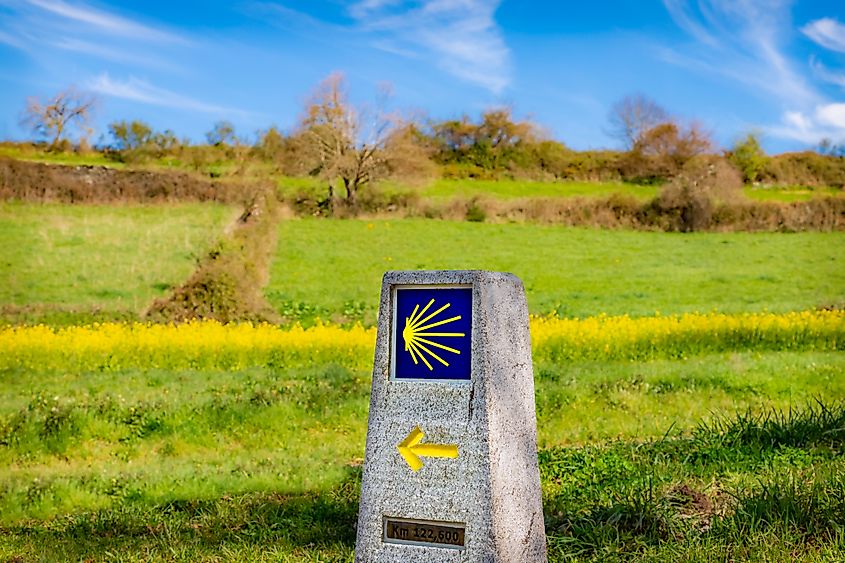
(111, 53)
(141, 91)
(459, 36)
(746, 42)
(39, 27)
(826, 32)
(742, 40)
(105, 21)
(12, 41)
(823, 73)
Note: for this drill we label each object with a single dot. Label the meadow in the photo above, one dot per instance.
(332, 268)
(664, 434)
(66, 262)
(442, 189)
(212, 442)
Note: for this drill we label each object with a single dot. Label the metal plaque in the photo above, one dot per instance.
(424, 532)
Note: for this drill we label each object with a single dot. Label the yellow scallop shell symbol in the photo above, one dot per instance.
(418, 338)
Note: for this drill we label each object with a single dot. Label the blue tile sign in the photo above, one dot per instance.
(432, 333)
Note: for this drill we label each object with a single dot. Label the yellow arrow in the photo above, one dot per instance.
(411, 449)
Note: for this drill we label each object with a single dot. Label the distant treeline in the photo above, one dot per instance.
(703, 198)
(349, 147)
(495, 146)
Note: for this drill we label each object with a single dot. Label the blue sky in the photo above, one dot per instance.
(774, 67)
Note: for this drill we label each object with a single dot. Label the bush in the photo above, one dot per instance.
(33, 181)
(749, 158)
(805, 169)
(475, 213)
(691, 197)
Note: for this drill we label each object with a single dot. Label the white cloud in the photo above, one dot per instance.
(111, 53)
(104, 21)
(831, 115)
(679, 10)
(460, 36)
(12, 41)
(364, 7)
(826, 32)
(38, 27)
(144, 92)
(797, 120)
(823, 121)
(823, 73)
(745, 41)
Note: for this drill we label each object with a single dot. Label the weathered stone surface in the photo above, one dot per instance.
(492, 488)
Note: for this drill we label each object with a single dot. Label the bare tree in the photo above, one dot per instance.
(223, 133)
(352, 147)
(634, 115)
(53, 118)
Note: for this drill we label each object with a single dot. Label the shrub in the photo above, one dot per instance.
(805, 169)
(691, 197)
(475, 213)
(749, 158)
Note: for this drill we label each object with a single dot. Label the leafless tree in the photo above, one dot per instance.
(634, 115)
(353, 146)
(53, 118)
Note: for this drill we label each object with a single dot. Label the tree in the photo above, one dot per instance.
(223, 133)
(270, 144)
(670, 141)
(499, 129)
(632, 116)
(496, 141)
(455, 136)
(350, 147)
(136, 140)
(53, 118)
(828, 148)
(748, 157)
(130, 135)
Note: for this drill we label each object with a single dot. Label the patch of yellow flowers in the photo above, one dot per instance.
(211, 345)
(625, 338)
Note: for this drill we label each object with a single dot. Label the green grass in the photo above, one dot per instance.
(445, 189)
(644, 400)
(76, 258)
(510, 189)
(790, 193)
(333, 268)
(264, 463)
(68, 158)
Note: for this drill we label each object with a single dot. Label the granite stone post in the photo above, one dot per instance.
(450, 472)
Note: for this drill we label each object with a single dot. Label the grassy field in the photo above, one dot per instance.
(445, 189)
(510, 189)
(332, 268)
(264, 463)
(85, 258)
(790, 193)
(68, 158)
(661, 439)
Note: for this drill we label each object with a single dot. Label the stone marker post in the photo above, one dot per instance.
(450, 472)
